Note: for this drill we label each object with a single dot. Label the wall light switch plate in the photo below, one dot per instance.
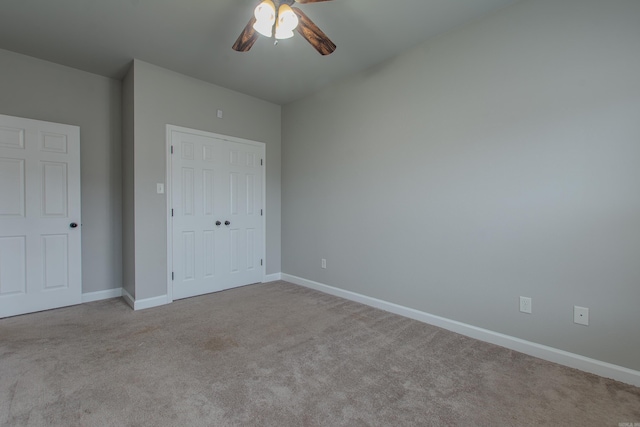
(581, 315)
(160, 188)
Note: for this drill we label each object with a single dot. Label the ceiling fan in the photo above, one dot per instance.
(278, 19)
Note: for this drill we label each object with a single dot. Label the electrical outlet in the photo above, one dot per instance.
(581, 315)
(525, 305)
(324, 263)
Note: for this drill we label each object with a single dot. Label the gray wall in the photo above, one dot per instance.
(163, 97)
(42, 90)
(128, 202)
(499, 160)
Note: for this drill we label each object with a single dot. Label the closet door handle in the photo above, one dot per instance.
(227, 223)
(218, 223)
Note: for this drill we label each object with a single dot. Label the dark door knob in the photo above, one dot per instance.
(227, 223)
(218, 223)
(73, 225)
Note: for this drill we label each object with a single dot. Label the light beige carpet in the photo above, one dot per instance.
(280, 355)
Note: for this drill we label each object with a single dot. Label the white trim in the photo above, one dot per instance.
(151, 302)
(128, 299)
(604, 369)
(101, 295)
(213, 135)
(272, 277)
(169, 202)
(264, 210)
(168, 197)
(144, 303)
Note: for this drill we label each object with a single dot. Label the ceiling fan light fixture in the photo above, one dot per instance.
(287, 22)
(263, 28)
(265, 14)
(280, 17)
(281, 35)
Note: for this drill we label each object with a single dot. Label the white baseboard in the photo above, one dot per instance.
(551, 354)
(142, 304)
(272, 277)
(100, 295)
(156, 301)
(128, 298)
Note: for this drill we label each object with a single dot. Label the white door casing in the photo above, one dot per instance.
(40, 238)
(214, 179)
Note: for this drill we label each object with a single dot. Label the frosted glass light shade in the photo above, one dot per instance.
(265, 14)
(287, 22)
(263, 28)
(281, 35)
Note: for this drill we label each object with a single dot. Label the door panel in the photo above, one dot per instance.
(215, 180)
(55, 252)
(54, 193)
(12, 187)
(11, 137)
(40, 254)
(54, 143)
(13, 264)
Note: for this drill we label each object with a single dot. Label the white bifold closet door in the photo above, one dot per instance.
(217, 222)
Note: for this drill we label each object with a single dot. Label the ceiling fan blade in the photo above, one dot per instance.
(313, 34)
(310, 1)
(247, 38)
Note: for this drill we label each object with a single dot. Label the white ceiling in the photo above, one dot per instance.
(194, 37)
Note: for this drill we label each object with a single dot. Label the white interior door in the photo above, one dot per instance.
(217, 204)
(40, 253)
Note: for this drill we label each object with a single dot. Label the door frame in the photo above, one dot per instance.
(169, 196)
